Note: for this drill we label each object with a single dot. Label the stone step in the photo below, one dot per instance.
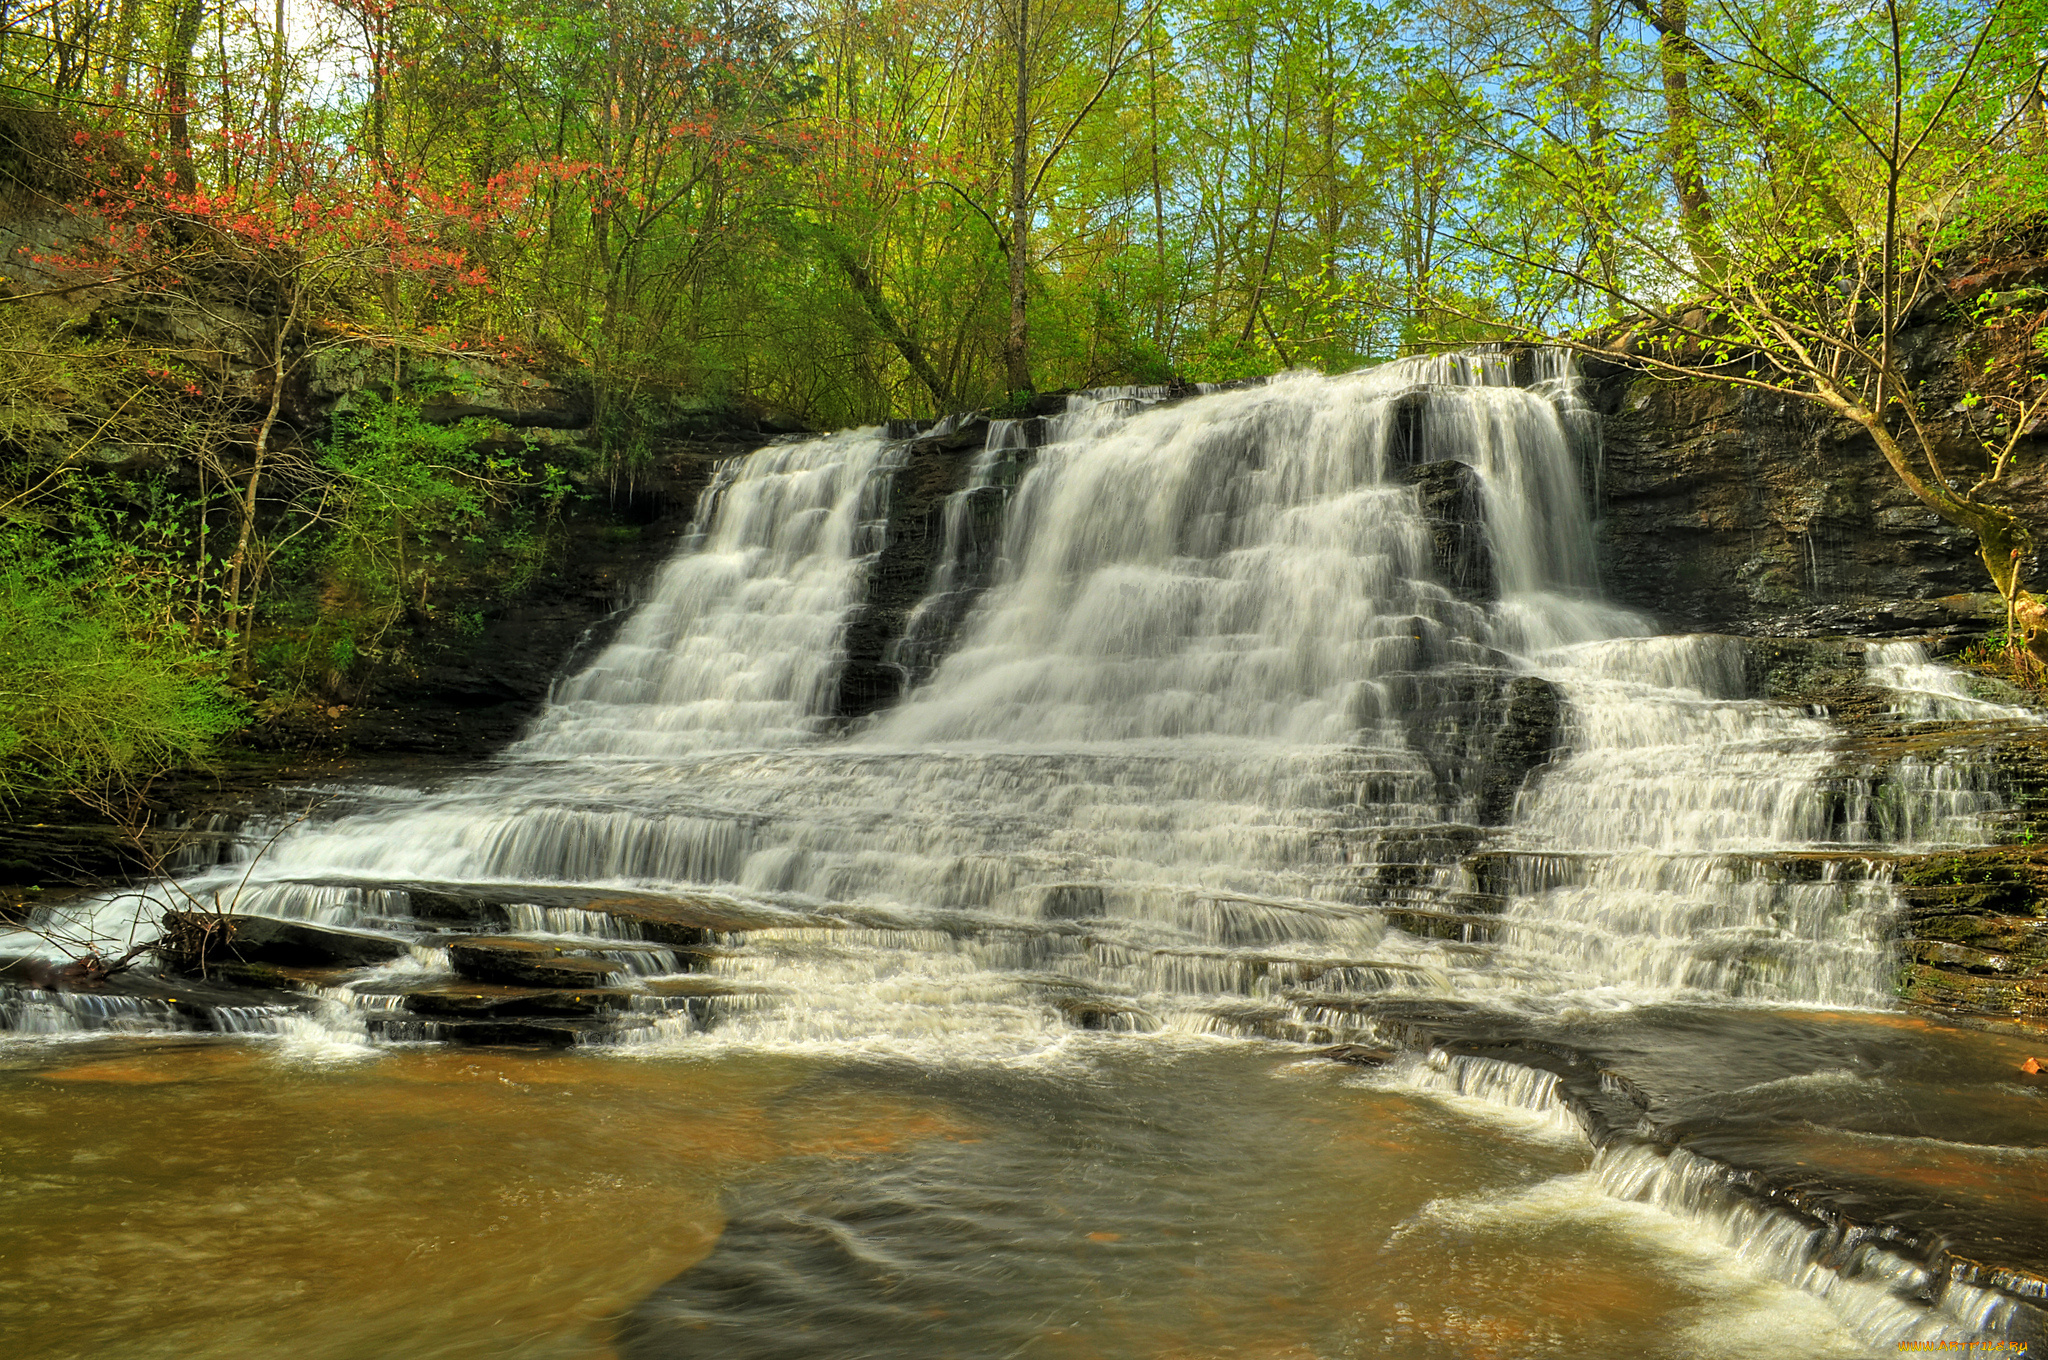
(662, 918)
(520, 1031)
(530, 963)
(470, 1000)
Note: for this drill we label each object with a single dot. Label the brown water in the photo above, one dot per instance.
(189, 1199)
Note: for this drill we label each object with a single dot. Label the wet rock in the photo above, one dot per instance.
(267, 976)
(1360, 1055)
(1097, 1012)
(1466, 927)
(1989, 994)
(488, 1001)
(1739, 510)
(428, 905)
(934, 468)
(1071, 902)
(1452, 503)
(193, 941)
(685, 920)
(221, 1002)
(529, 963)
(1483, 732)
(496, 1032)
(1817, 1121)
(1973, 937)
(1525, 739)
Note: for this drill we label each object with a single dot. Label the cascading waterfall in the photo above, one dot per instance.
(1199, 738)
(1923, 690)
(1212, 714)
(736, 642)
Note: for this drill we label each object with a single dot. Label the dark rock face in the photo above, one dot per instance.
(480, 669)
(1731, 509)
(933, 469)
(1452, 502)
(1483, 732)
(1527, 735)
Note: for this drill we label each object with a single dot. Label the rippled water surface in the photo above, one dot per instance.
(1192, 1199)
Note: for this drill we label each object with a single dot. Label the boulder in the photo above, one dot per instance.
(1359, 1055)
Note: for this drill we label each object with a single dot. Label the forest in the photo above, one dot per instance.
(848, 210)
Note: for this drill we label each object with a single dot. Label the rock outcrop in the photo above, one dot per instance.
(1734, 509)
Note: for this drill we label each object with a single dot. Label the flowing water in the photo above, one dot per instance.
(1211, 742)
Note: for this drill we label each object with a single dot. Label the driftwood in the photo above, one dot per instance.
(81, 973)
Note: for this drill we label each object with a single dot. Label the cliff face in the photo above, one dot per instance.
(1736, 510)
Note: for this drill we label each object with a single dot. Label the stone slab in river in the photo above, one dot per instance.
(528, 963)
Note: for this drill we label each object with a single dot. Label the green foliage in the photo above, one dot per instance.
(2005, 657)
(100, 688)
(401, 514)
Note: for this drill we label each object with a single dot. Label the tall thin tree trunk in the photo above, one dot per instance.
(241, 615)
(1600, 136)
(186, 18)
(274, 96)
(1682, 140)
(1158, 203)
(1272, 228)
(1016, 349)
(123, 63)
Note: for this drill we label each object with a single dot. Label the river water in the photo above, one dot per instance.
(1221, 743)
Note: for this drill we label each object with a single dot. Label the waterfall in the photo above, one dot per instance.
(735, 645)
(1924, 691)
(1206, 742)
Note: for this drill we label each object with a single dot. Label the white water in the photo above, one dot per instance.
(1872, 1291)
(1928, 692)
(736, 643)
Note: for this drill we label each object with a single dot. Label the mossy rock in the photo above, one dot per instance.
(1944, 989)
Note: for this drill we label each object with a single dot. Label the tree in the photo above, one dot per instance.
(1801, 277)
(1039, 36)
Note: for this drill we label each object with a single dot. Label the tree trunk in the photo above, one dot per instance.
(1158, 204)
(274, 96)
(240, 616)
(186, 17)
(1600, 136)
(122, 65)
(1682, 141)
(1016, 348)
(1272, 233)
(878, 308)
(2003, 539)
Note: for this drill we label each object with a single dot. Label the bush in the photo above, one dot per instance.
(95, 696)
